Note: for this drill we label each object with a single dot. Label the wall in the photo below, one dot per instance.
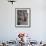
(8, 31)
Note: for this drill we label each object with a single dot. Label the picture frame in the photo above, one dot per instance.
(23, 17)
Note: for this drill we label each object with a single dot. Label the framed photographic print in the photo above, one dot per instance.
(22, 17)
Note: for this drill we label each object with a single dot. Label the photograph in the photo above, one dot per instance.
(22, 17)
